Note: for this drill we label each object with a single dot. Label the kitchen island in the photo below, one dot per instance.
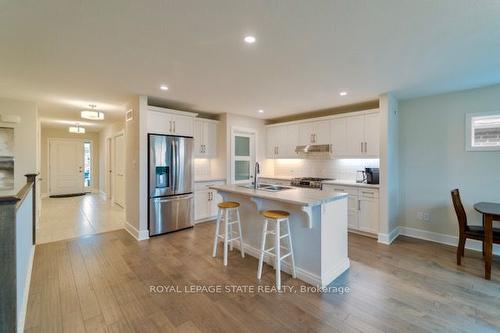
(318, 223)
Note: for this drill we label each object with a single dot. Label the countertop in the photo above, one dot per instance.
(294, 196)
(349, 183)
(276, 177)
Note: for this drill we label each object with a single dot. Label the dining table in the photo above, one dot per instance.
(491, 212)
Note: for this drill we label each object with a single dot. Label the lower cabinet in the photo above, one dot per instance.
(205, 201)
(363, 207)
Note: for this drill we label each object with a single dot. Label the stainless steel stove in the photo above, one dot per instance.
(308, 182)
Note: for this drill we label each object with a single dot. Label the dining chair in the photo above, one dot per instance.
(468, 231)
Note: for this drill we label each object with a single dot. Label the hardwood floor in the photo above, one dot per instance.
(101, 283)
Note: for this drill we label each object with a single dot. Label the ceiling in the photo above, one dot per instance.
(66, 54)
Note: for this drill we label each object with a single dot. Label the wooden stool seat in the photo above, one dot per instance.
(228, 204)
(275, 214)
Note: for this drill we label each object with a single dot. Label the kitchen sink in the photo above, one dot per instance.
(268, 187)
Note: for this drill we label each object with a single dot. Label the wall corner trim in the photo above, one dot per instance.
(137, 234)
(387, 239)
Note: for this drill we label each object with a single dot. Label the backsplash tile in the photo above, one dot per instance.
(338, 168)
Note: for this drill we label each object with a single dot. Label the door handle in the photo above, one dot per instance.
(362, 147)
(359, 204)
(366, 147)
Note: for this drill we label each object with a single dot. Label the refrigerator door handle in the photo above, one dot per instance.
(174, 167)
(174, 198)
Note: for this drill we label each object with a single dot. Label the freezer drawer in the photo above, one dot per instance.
(168, 214)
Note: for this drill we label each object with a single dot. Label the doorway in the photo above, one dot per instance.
(66, 167)
(109, 168)
(242, 155)
(119, 170)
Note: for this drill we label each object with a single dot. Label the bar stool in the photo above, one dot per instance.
(277, 217)
(224, 216)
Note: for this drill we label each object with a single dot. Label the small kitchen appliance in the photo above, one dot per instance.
(372, 175)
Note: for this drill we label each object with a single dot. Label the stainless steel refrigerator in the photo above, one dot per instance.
(170, 183)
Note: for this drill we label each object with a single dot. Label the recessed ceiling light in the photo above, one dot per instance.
(250, 39)
(343, 93)
(163, 87)
(261, 111)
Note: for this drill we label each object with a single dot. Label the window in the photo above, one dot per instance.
(87, 164)
(242, 156)
(483, 131)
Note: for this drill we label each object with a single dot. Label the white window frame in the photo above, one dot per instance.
(469, 131)
(252, 134)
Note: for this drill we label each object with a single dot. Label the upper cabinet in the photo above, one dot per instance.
(205, 138)
(351, 135)
(282, 141)
(363, 134)
(315, 132)
(170, 122)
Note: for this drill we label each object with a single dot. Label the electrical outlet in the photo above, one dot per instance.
(423, 216)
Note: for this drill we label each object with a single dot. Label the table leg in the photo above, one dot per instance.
(488, 244)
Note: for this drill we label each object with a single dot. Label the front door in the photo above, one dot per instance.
(66, 167)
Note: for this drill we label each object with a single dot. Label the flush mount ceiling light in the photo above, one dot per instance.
(249, 39)
(92, 114)
(164, 87)
(343, 93)
(261, 111)
(77, 129)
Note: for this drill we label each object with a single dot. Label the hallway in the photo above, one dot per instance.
(64, 218)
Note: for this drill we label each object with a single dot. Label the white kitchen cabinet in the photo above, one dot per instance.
(171, 122)
(205, 201)
(281, 141)
(315, 132)
(362, 207)
(363, 134)
(205, 138)
(339, 137)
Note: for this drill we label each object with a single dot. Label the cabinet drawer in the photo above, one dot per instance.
(340, 188)
(200, 186)
(368, 193)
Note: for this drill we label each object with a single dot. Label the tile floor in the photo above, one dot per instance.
(63, 218)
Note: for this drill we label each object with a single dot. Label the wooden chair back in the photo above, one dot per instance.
(459, 210)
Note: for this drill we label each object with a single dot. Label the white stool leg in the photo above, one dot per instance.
(291, 248)
(242, 250)
(216, 238)
(230, 219)
(277, 254)
(262, 248)
(226, 236)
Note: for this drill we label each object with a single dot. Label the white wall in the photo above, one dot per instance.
(108, 132)
(63, 133)
(433, 160)
(26, 139)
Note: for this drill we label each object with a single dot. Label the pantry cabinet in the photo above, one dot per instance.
(205, 138)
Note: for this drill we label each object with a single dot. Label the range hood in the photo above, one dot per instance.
(325, 151)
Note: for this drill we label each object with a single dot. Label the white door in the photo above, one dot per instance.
(119, 162)
(372, 134)
(355, 135)
(305, 134)
(272, 142)
(321, 132)
(242, 156)
(352, 212)
(182, 125)
(109, 168)
(199, 138)
(66, 167)
(290, 141)
(210, 139)
(338, 129)
(368, 215)
(201, 204)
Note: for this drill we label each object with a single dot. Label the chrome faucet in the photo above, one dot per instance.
(255, 176)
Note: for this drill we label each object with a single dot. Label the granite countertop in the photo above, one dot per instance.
(346, 182)
(294, 196)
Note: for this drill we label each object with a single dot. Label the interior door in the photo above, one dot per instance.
(66, 167)
(119, 192)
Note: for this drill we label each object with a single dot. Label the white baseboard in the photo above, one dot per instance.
(387, 239)
(471, 244)
(22, 316)
(137, 234)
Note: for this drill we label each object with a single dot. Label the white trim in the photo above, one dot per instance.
(387, 239)
(431, 236)
(171, 111)
(207, 120)
(252, 135)
(335, 116)
(137, 234)
(113, 168)
(27, 283)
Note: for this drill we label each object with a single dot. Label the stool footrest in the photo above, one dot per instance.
(230, 239)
